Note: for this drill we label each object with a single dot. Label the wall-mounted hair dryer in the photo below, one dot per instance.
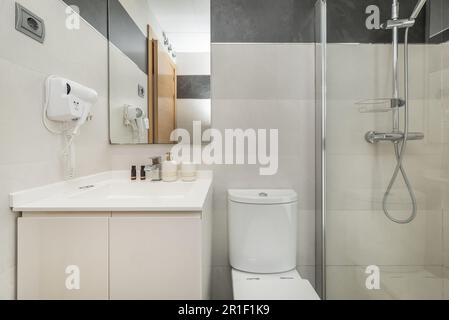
(67, 104)
(136, 118)
(68, 101)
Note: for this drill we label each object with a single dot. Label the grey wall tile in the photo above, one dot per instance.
(284, 21)
(193, 87)
(347, 18)
(262, 20)
(126, 35)
(438, 21)
(95, 12)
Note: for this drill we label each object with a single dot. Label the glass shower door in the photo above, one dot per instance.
(365, 255)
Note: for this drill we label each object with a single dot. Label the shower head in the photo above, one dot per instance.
(418, 9)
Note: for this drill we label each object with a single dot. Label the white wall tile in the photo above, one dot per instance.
(65, 52)
(263, 71)
(359, 182)
(368, 72)
(368, 237)
(294, 120)
(264, 86)
(123, 157)
(189, 110)
(193, 63)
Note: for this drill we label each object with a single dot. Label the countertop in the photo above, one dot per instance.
(113, 191)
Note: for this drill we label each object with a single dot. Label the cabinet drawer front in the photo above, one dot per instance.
(155, 258)
(57, 254)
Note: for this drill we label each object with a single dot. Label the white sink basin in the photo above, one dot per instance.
(114, 191)
(135, 190)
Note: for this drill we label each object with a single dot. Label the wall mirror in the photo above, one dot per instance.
(159, 69)
(438, 19)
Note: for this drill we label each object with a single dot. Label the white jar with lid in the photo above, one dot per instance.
(188, 171)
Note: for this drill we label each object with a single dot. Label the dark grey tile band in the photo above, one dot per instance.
(95, 12)
(262, 20)
(347, 19)
(292, 21)
(126, 35)
(123, 31)
(193, 87)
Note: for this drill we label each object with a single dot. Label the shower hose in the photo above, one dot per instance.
(399, 150)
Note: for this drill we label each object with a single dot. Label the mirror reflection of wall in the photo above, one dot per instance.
(159, 69)
(439, 17)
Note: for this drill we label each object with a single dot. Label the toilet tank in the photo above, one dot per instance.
(262, 228)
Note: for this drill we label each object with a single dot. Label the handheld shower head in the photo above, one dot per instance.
(418, 9)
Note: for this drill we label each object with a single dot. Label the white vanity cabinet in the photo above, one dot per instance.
(155, 257)
(62, 257)
(116, 238)
(123, 256)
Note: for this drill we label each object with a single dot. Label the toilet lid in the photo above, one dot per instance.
(280, 286)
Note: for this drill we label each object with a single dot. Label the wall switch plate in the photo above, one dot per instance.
(141, 91)
(30, 24)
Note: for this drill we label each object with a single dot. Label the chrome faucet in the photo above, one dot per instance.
(153, 170)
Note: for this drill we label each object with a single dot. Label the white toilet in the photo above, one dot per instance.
(262, 246)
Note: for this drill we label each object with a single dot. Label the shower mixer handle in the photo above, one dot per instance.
(375, 137)
(397, 103)
(398, 23)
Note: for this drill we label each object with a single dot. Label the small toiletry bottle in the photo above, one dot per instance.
(156, 169)
(133, 173)
(143, 175)
(188, 171)
(169, 169)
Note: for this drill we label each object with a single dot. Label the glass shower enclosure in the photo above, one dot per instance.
(375, 243)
